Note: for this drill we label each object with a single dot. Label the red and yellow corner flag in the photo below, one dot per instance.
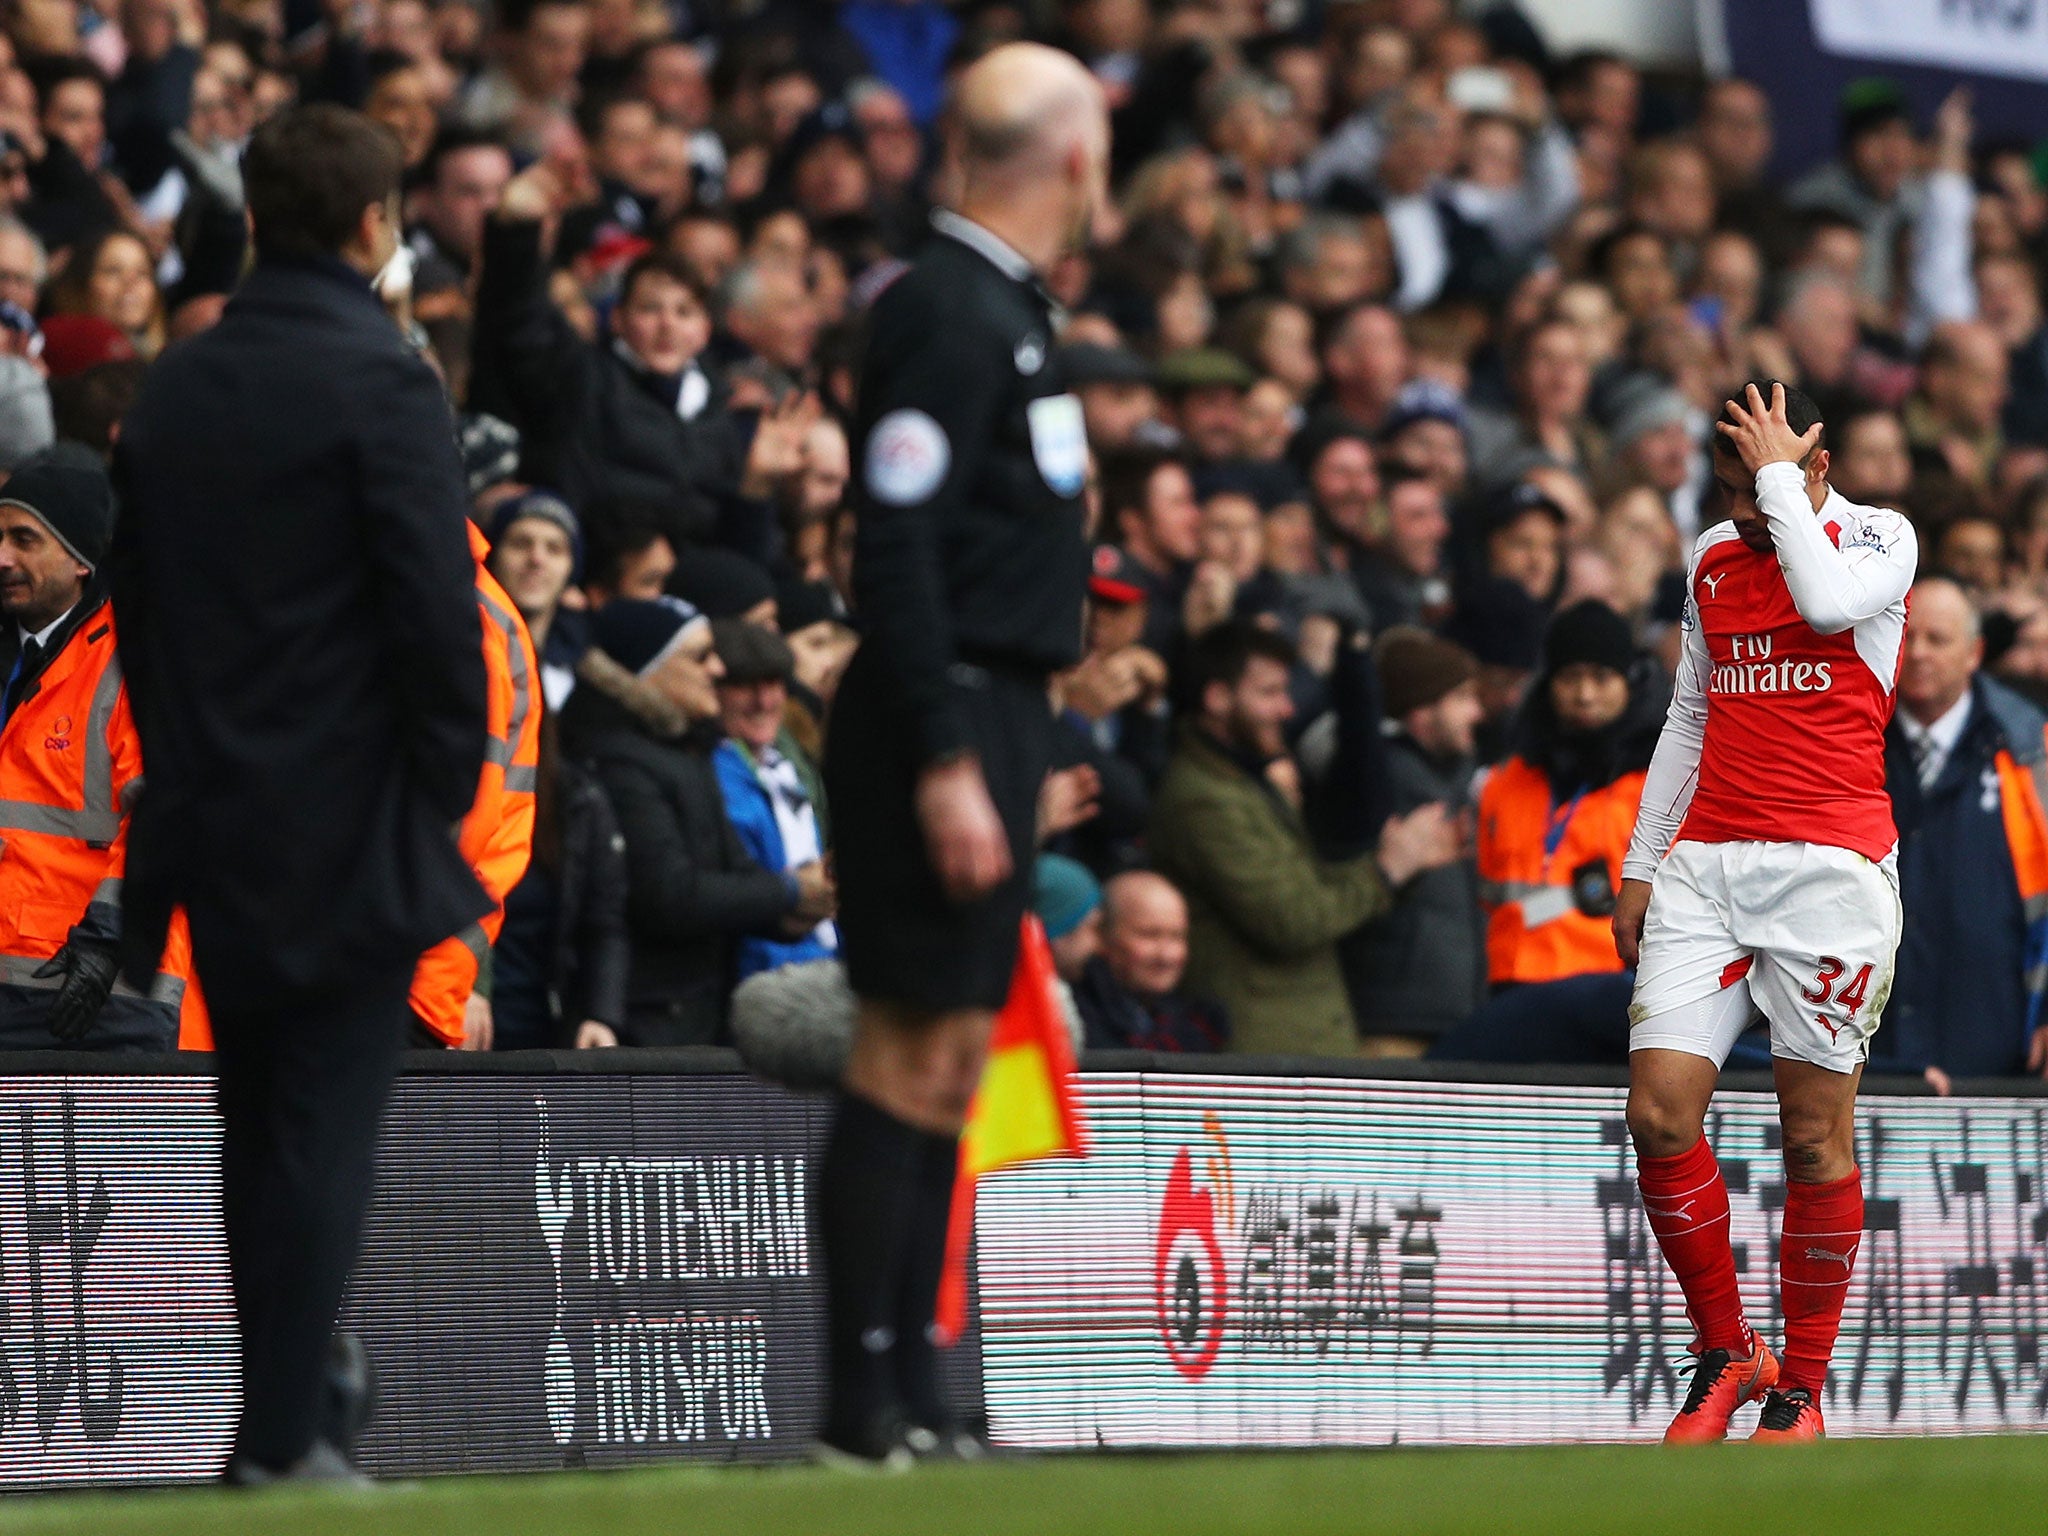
(1026, 1107)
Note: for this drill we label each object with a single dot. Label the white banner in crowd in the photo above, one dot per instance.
(1992, 37)
(1273, 1261)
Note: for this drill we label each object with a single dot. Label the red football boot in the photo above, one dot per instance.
(1721, 1383)
(1792, 1415)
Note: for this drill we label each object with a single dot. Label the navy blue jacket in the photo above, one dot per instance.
(1959, 1001)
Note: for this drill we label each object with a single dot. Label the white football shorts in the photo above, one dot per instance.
(1805, 932)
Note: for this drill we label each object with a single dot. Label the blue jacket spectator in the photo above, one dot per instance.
(1960, 1004)
(773, 794)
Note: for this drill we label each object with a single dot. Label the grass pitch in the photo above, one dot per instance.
(1865, 1487)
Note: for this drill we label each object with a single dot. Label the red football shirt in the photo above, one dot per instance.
(1776, 728)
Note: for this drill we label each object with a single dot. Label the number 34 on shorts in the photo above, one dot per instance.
(1807, 933)
(1829, 994)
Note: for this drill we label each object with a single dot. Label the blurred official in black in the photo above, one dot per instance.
(300, 635)
(968, 579)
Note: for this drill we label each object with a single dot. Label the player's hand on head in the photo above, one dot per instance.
(1760, 434)
(1631, 903)
(2037, 1052)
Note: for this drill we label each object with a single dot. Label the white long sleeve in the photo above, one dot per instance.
(1941, 285)
(1675, 766)
(1835, 586)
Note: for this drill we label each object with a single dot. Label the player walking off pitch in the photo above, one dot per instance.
(1764, 870)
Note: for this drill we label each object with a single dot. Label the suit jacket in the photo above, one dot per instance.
(300, 635)
(1959, 993)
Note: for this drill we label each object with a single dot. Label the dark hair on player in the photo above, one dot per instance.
(1801, 414)
(1221, 655)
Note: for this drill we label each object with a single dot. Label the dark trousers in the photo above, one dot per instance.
(1578, 1021)
(303, 1084)
(126, 1024)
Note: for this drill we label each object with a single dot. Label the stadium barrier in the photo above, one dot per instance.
(602, 1259)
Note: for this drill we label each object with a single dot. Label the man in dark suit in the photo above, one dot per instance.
(305, 663)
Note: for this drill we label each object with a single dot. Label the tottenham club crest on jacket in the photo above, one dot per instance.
(1796, 703)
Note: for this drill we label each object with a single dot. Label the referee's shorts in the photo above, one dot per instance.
(904, 940)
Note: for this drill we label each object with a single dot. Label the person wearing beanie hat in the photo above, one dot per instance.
(704, 897)
(1426, 432)
(1592, 634)
(1418, 670)
(644, 636)
(1502, 626)
(1555, 821)
(536, 551)
(1068, 901)
(773, 792)
(490, 451)
(65, 488)
(67, 746)
(1418, 970)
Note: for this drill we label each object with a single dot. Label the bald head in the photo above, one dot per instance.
(1942, 600)
(1144, 932)
(1022, 107)
(1944, 648)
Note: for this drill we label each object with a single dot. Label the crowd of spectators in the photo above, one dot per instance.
(1397, 365)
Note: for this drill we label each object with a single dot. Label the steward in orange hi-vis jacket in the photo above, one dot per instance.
(497, 834)
(70, 764)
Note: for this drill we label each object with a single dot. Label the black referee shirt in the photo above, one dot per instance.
(970, 462)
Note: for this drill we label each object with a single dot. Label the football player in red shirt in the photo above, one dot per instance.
(1763, 873)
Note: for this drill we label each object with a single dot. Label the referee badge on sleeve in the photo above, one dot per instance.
(907, 458)
(1059, 442)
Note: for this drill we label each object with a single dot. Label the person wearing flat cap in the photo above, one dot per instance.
(647, 727)
(1205, 387)
(774, 796)
(68, 757)
(1119, 393)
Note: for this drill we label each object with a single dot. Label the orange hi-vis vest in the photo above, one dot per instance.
(1529, 848)
(2022, 796)
(70, 768)
(497, 834)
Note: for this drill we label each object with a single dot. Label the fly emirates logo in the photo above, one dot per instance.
(1752, 669)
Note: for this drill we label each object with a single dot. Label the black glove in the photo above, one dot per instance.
(88, 967)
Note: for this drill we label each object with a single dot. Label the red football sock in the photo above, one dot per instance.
(1687, 1202)
(1816, 1256)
